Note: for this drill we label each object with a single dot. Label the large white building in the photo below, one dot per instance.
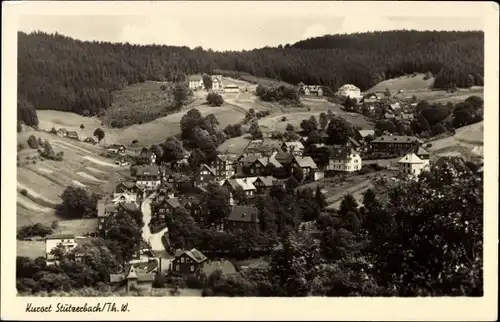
(195, 82)
(351, 91)
(231, 88)
(344, 160)
(52, 242)
(412, 165)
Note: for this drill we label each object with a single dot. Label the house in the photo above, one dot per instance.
(247, 186)
(349, 90)
(372, 98)
(242, 217)
(394, 106)
(165, 207)
(73, 135)
(394, 144)
(365, 133)
(175, 180)
(67, 242)
(187, 262)
(204, 176)
(344, 159)
(262, 184)
(117, 148)
(130, 190)
(421, 153)
(308, 166)
(90, 140)
(412, 165)
(217, 84)
(148, 176)
(224, 166)
(105, 210)
(132, 279)
(256, 168)
(407, 116)
(296, 148)
(231, 88)
(124, 198)
(146, 157)
(193, 205)
(389, 116)
(62, 132)
(308, 90)
(195, 82)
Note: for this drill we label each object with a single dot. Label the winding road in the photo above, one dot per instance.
(154, 239)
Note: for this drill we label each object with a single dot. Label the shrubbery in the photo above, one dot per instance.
(33, 230)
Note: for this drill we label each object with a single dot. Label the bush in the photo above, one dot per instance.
(135, 141)
(82, 126)
(159, 281)
(429, 145)
(34, 162)
(24, 192)
(365, 170)
(215, 99)
(20, 147)
(33, 230)
(283, 119)
(55, 224)
(193, 282)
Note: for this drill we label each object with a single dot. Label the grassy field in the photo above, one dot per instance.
(422, 89)
(145, 101)
(467, 142)
(43, 181)
(234, 145)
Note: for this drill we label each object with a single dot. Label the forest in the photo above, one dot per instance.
(60, 73)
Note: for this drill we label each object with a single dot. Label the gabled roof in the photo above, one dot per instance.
(194, 254)
(306, 162)
(231, 182)
(127, 184)
(72, 133)
(244, 213)
(411, 158)
(173, 202)
(249, 160)
(131, 274)
(268, 181)
(206, 167)
(396, 139)
(152, 170)
(421, 151)
(341, 153)
(297, 145)
(284, 157)
(195, 78)
(245, 184)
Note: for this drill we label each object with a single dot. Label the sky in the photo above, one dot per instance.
(229, 25)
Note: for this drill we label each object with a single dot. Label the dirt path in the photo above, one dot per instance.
(90, 177)
(96, 170)
(73, 146)
(30, 205)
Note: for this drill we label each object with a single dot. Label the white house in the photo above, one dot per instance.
(54, 241)
(345, 160)
(231, 88)
(217, 84)
(349, 90)
(412, 165)
(195, 82)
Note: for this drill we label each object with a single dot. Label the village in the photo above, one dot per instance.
(159, 190)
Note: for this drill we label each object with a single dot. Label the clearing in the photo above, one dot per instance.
(422, 89)
(468, 142)
(45, 180)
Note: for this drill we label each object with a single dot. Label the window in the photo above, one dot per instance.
(176, 267)
(182, 259)
(192, 268)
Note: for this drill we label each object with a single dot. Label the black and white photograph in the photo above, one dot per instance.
(196, 149)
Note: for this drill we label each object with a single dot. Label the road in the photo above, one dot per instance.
(154, 239)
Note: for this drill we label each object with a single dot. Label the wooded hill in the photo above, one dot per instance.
(61, 73)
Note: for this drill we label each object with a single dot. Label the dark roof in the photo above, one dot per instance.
(173, 202)
(146, 154)
(354, 142)
(396, 139)
(205, 166)
(152, 170)
(72, 133)
(116, 146)
(244, 213)
(128, 184)
(421, 151)
(250, 159)
(283, 157)
(267, 181)
(129, 206)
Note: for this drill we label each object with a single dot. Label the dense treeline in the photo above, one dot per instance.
(61, 73)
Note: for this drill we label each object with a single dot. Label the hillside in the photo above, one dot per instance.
(41, 182)
(407, 82)
(79, 76)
